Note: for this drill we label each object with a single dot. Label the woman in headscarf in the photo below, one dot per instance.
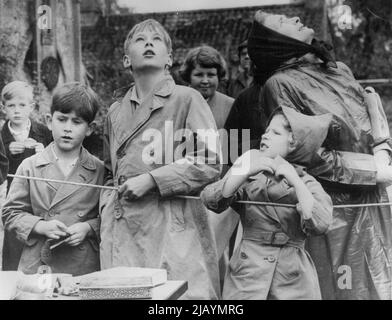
(353, 258)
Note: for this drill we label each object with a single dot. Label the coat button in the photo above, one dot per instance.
(81, 247)
(243, 255)
(121, 180)
(151, 152)
(51, 214)
(271, 259)
(117, 214)
(80, 214)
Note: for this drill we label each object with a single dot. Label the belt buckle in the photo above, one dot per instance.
(279, 238)
(273, 235)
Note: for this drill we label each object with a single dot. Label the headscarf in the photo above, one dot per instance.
(309, 134)
(269, 50)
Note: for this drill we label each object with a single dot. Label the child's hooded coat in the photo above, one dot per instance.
(271, 262)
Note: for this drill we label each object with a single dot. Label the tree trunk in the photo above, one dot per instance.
(16, 35)
(17, 28)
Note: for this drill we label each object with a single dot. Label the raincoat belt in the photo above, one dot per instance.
(272, 238)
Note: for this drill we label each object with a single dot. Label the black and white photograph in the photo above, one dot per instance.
(220, 151)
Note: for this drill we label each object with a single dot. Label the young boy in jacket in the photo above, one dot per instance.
(22, 138)
(39, 212)
(271, 261)
(147, 157)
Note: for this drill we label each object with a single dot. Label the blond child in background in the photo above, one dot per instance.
(22, 138)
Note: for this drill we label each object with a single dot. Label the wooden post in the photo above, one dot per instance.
(77, 50)
(38, 49)
(45, 39)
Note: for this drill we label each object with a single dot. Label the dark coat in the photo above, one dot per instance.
(247, 113)
(12, 247)
(38, 132)
(3, 162)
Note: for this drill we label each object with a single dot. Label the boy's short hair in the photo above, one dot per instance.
(152, 25)
(17, 88)
(206, 57)
(77, 97)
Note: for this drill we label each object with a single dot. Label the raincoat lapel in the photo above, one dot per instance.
(84, 172)
(128, 123)
(46, 161)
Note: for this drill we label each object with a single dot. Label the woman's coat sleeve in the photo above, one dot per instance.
(335, 166)
(322, 209)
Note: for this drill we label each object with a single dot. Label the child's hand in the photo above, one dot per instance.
(39, 147)
(286, 169)
(52, 229)
(252, 162)
(16, 147)
(371, 97)
(136, 187)
(79, 232)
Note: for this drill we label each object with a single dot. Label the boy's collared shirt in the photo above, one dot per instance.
(66, 170)
(21, 135)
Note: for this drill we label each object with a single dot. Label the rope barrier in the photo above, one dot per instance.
(257, 203)
(62, 181)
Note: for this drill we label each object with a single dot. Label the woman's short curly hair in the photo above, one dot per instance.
(205, 57)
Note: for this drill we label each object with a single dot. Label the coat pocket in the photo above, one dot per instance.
(238, 259)
(290, 264)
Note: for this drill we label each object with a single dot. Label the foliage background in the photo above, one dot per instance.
(367, 47)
